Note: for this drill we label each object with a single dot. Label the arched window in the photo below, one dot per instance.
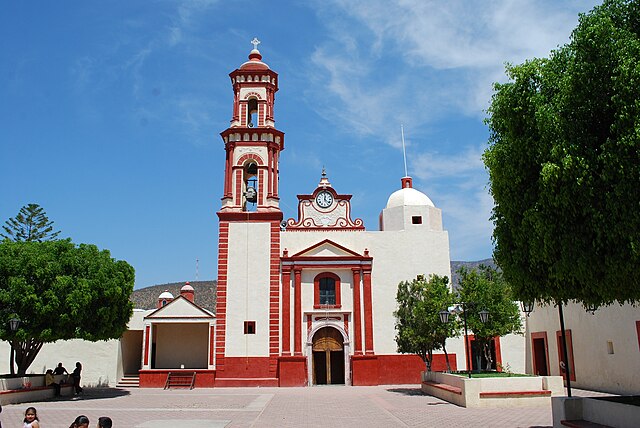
(326, 291)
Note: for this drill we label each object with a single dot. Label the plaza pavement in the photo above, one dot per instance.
(325, 406)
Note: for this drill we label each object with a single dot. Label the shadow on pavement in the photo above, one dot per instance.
(94, 394)
(406, 391)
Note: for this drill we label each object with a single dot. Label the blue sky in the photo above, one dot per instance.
(110, 111)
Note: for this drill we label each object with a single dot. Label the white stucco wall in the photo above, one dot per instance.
(595, 367)
(248, 289)
(181, 344)
(397, 256)
(100, 360)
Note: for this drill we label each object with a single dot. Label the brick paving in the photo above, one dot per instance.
(328, 406)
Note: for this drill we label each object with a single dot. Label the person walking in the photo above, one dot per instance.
(76, 378)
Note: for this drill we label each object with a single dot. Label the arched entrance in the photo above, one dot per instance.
(328, 357)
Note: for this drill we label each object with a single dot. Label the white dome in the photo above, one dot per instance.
(408, 196)
(186, 287)
(165, 295)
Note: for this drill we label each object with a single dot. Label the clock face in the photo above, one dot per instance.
(324, 199)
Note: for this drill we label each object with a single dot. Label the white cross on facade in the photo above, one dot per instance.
(255, 42)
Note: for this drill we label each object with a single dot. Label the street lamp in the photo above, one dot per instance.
(14, 323)
(456, 310)
(527, 306)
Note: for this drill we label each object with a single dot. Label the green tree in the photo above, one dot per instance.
(31, 224)
(564, 165)
(61, 291)
(486, 289)
(418, 327)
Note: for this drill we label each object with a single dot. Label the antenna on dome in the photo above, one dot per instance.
(197, 262)
(404, 151)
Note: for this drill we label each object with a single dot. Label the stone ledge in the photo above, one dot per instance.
(515, 394)
(444, 387)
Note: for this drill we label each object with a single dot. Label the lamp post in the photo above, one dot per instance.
(14, 323)
(456, 310)
(527, 308)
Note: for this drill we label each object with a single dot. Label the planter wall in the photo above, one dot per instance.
(492, 392)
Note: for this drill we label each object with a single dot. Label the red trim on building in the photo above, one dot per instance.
(212, 335)
(249, 156)
(297, 313)
(534, 362)
(569, 350)
(368, 312)
(316, 291)
(157, 378)
(357, 313)
(250, 217)
(286, 312)
(221, 294)
(274, 298)
(147, 341)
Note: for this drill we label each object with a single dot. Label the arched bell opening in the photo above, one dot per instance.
(250, 181)
(252, 113)
(328, 357)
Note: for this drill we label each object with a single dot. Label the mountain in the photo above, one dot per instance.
(204, 294)
(455, 265)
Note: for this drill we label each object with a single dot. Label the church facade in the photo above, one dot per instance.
(309, 300)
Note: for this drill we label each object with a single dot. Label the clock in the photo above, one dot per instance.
(324, 199)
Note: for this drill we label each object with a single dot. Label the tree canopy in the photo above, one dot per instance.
(30, 224)
(564, 165)
(61, 291)
(418, 326)
(486, 289)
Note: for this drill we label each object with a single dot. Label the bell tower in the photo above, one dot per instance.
(247, 298)
(252, 142)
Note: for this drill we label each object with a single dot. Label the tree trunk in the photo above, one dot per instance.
(428, 359)
(12, 358)
(25, 353)
(487, 355)
(446, 357)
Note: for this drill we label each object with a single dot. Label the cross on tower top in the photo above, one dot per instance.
(255, 42)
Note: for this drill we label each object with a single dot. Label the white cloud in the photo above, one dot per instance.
(445, 56)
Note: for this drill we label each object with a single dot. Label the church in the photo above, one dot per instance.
(307, 300)
(299, 301)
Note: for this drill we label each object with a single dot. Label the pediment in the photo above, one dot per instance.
(182, 308)
(327, 249)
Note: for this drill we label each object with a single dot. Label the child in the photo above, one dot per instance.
(104, 422)
(31, 418)
(81, 422)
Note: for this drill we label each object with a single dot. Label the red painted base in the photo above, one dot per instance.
(292, 371)
(240, 382)
(157, 378)
(364, 369)
(394, 369)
